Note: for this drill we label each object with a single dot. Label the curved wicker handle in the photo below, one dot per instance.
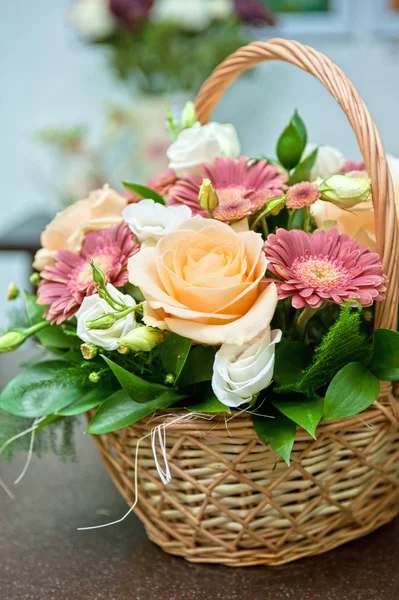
(367, 135)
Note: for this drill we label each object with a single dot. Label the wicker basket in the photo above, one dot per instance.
(230, 500)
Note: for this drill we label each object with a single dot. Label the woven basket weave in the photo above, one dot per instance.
(230, 500)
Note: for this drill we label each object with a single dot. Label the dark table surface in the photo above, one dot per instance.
(44, 557)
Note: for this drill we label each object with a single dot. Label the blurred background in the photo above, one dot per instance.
(86, 83)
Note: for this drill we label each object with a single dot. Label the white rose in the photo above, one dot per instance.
(202, 144)
(150, 221)
(93, 307)
(240, 372)
(221, 9)
(194, 15)
(329, 161)
(92, 18)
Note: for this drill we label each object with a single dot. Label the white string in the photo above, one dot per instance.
(30, 453)
(6, 489)
(15, 437)
(160, 431)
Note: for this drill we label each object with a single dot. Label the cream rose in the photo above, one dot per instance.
(202, 144)
(241, 372)
(204, 282)
(92, 18)
(102, 209)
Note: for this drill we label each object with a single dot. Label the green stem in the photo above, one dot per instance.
(35, 328)
(304, 319)
(264, 227)
(291, 217)
(306, 224)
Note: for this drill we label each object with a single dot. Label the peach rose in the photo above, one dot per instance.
(204, 281)
(102, 209)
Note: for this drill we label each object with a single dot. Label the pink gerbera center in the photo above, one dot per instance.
(302, 194)
(320, 272)
(84, 273)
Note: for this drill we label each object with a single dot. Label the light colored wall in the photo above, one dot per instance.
(51, 78)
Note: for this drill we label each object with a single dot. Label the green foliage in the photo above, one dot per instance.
(121, 411)
(385, 361)
(140, 390)
(162, 57)
(306, 412)
(208, 402)
(198, 366)
(54, 336)
(303, 169)
(292, 142)
(352, 390)
(57, 437)
(275, 429)
(173, 353)
(342, 344)
(43, 389)
(291, 362)
(143, 192)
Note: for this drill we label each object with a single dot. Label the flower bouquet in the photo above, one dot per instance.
(221, 341)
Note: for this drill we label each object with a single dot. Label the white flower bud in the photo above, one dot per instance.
(345, 191)
(142, 339)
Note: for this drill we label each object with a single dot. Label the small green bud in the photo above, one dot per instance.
(12, 292)
(208, 198)
(35, 279)
(105, 321)
(142, 339)
(94, 377)
(170, 379)
(11, 340)
(98, 275)
(188, 116)
(171, 125)
(89, 351)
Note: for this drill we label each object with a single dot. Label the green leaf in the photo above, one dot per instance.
(302, 171)
(42, 389)
(352, 390)
(278, 431)
(209, 404)
(90, 400)
(385, 361)
(54, 335)
(291, 143)
(292, 359)
(306, 412)
(199, 366)
(138, 389)
(121, 411)
(174, 352)
(143, 192)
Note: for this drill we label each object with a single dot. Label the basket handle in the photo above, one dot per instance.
(366, 132)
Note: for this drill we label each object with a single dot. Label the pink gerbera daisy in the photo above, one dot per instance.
(163, 182)
(65, 285)
(256, 182)
(324, 266)
(302, 194)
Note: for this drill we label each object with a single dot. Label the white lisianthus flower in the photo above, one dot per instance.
(345, 191)
(150, 221)
(202, 144)
(329, 161)
(93, 307)
(92, 18)
(241, 372)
